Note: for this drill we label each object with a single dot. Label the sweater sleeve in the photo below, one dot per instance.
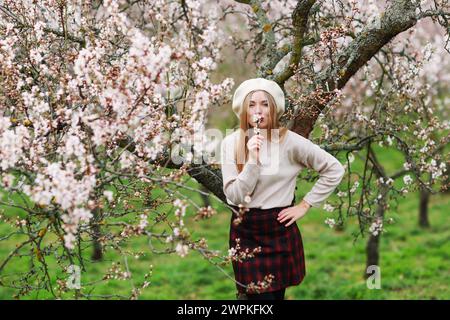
(329, 168)
(237, 185)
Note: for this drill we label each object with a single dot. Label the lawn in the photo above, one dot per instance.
(414, 262)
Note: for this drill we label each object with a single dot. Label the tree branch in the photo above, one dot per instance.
(300, 23)
(398, 17)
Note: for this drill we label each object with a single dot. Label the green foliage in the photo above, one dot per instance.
(414, 262)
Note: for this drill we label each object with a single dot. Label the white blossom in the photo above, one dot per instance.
(108, 194)
(376, 227)
(407, 179)
(231, 252)
(182, 249)
(330, 222)
(143, 222)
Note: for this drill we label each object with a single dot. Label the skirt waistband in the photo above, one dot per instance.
(263, 210)
(268, 209)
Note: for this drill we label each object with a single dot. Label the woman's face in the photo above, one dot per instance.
(259, 105)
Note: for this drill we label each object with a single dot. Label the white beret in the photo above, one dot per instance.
(258, 84)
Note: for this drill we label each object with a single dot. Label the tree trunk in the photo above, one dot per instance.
(373, 251)
(205, 198)
(423, 208)
(97, 254)
(373, 244)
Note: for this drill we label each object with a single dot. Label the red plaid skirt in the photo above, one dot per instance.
(279, 264)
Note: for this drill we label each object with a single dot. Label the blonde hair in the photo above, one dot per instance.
(241, 150)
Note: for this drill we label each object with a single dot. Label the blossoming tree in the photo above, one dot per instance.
(97, 99)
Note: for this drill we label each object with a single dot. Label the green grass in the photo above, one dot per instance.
(414, 262)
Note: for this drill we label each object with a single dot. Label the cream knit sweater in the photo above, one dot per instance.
(272, 182)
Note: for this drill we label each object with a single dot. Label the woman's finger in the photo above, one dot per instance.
(290, 222)
(284, 217)
(283, 212)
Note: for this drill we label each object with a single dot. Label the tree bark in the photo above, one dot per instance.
(423, 208)
(373, 244)
(205, 198)
(97, 253)
(398, 17)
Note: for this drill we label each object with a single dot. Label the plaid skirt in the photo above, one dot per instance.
(280, 262)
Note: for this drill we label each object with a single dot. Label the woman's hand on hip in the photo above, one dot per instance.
(293, 213)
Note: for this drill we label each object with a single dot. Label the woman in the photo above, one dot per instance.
(260, 164)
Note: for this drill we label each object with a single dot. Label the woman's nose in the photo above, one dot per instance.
(258, 110)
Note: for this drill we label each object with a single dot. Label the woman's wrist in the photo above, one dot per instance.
(304, 204)
(253, 160)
